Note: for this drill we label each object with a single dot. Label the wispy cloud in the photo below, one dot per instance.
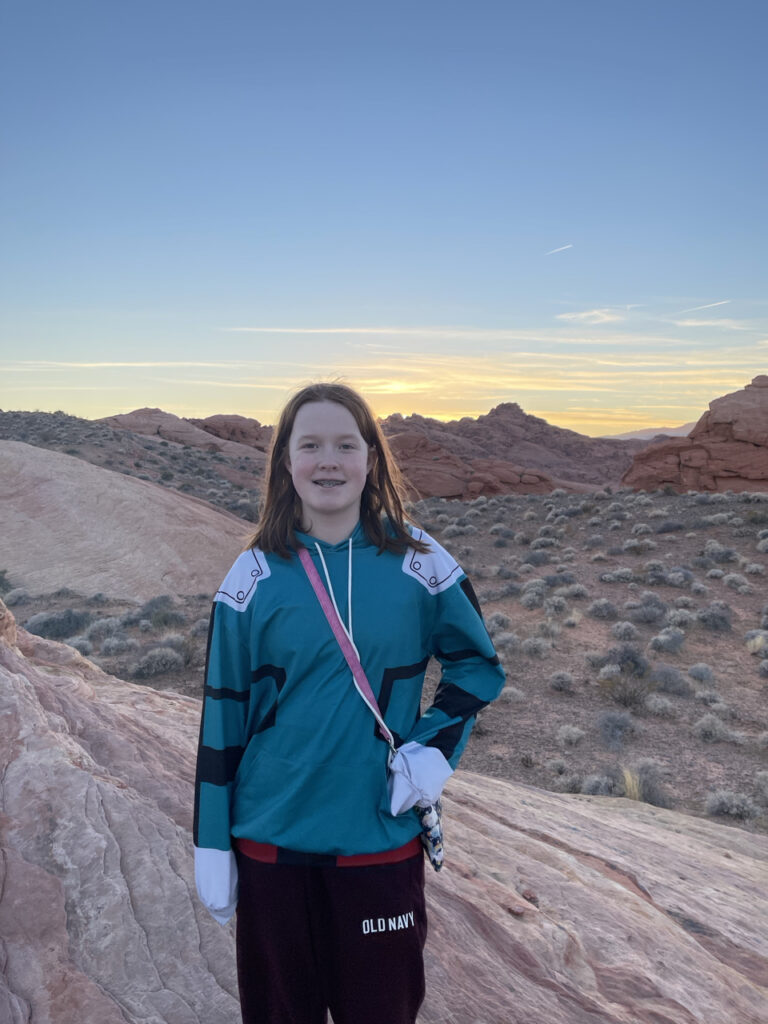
(724, 324)
(709, 305)
(592, 316)
(561, 248)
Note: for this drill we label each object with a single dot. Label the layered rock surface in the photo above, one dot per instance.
(726, 450)
(67, 523)
(430, 471)
(556, 908)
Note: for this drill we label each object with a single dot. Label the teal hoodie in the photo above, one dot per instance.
(289, 753)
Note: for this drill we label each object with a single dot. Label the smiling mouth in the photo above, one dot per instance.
(328, 483)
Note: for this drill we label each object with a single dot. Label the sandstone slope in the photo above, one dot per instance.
(556, 908)
(67, 523)
(727, 450)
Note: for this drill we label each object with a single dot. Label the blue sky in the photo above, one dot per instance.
(451, 205)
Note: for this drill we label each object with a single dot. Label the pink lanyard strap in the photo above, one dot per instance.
(358, 673)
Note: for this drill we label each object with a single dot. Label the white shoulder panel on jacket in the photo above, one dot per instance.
(240, 583)
(436, 570)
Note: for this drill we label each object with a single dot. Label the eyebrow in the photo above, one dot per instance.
(313, 437)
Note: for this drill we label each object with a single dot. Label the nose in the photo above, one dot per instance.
(328, 457)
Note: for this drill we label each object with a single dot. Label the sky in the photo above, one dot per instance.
(449, 205)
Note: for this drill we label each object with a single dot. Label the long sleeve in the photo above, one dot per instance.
(471, 673)
(222, 729)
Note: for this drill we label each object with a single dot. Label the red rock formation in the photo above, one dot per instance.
(155, 422)
(431, 471)
(241, 429)
(510, 435)
(726, 450)
(554, 908)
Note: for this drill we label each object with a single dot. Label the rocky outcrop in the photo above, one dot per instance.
(241, 429)
(67, 523)
(430, 471)
(564, 909)
(155, 422)
(510, 435)
(726, 450)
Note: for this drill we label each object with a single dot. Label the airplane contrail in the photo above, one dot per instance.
(709, 305)
(561, 249)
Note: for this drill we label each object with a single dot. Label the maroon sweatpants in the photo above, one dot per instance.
(345, 939)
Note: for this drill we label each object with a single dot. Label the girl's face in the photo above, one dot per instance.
(329, 462)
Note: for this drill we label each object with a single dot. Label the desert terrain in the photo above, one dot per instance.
(633, 627)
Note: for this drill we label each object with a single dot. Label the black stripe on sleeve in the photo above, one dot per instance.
(457, 703)
(218, 767)
(469, 591)
(447, 739)
(465, 655)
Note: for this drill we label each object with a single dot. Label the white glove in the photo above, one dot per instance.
(216, 881)
(417, 775)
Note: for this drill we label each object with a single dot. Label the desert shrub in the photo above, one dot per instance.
(537, 558)
(650, 609)
(543, 542)
(754, 569)
(601, 785)
(17, 596)
(561, 682)
(668, 679)
(156, 662)
(506, 641)
(549, 629)
(113, 645)
(85, 647)
(670, 526)
(615, 727)
(762, 545)
(639, 529)
(761, 786)
(102, 628)
(158, 611)
(712, 729)
(647, 781)
(718, 553)
(535, 647)
(756, 641)
(716, 617)
(570, 735)
(624, 631)
(556, 765)
(58, 625)
(762, 668)
(681, 617)
(660, 707)
(701, 672)
(602, 608)
(708, 697)
(737, 582)
(199, 627)
(574, 591)
(733, 805)
(669, 640)
(715, 574)
(684, 601)
(555, 606)
(573, 619)
(5, 583)
(496, 622)
(638, 547)
(511, 695)
(532, 598)
(595, 540)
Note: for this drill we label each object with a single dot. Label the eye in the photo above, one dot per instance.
(348, 446)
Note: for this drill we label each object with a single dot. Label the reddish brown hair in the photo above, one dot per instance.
(383, 496)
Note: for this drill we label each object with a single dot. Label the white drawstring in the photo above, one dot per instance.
(346, 627)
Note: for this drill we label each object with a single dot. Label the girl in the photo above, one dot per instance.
(294, 824)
